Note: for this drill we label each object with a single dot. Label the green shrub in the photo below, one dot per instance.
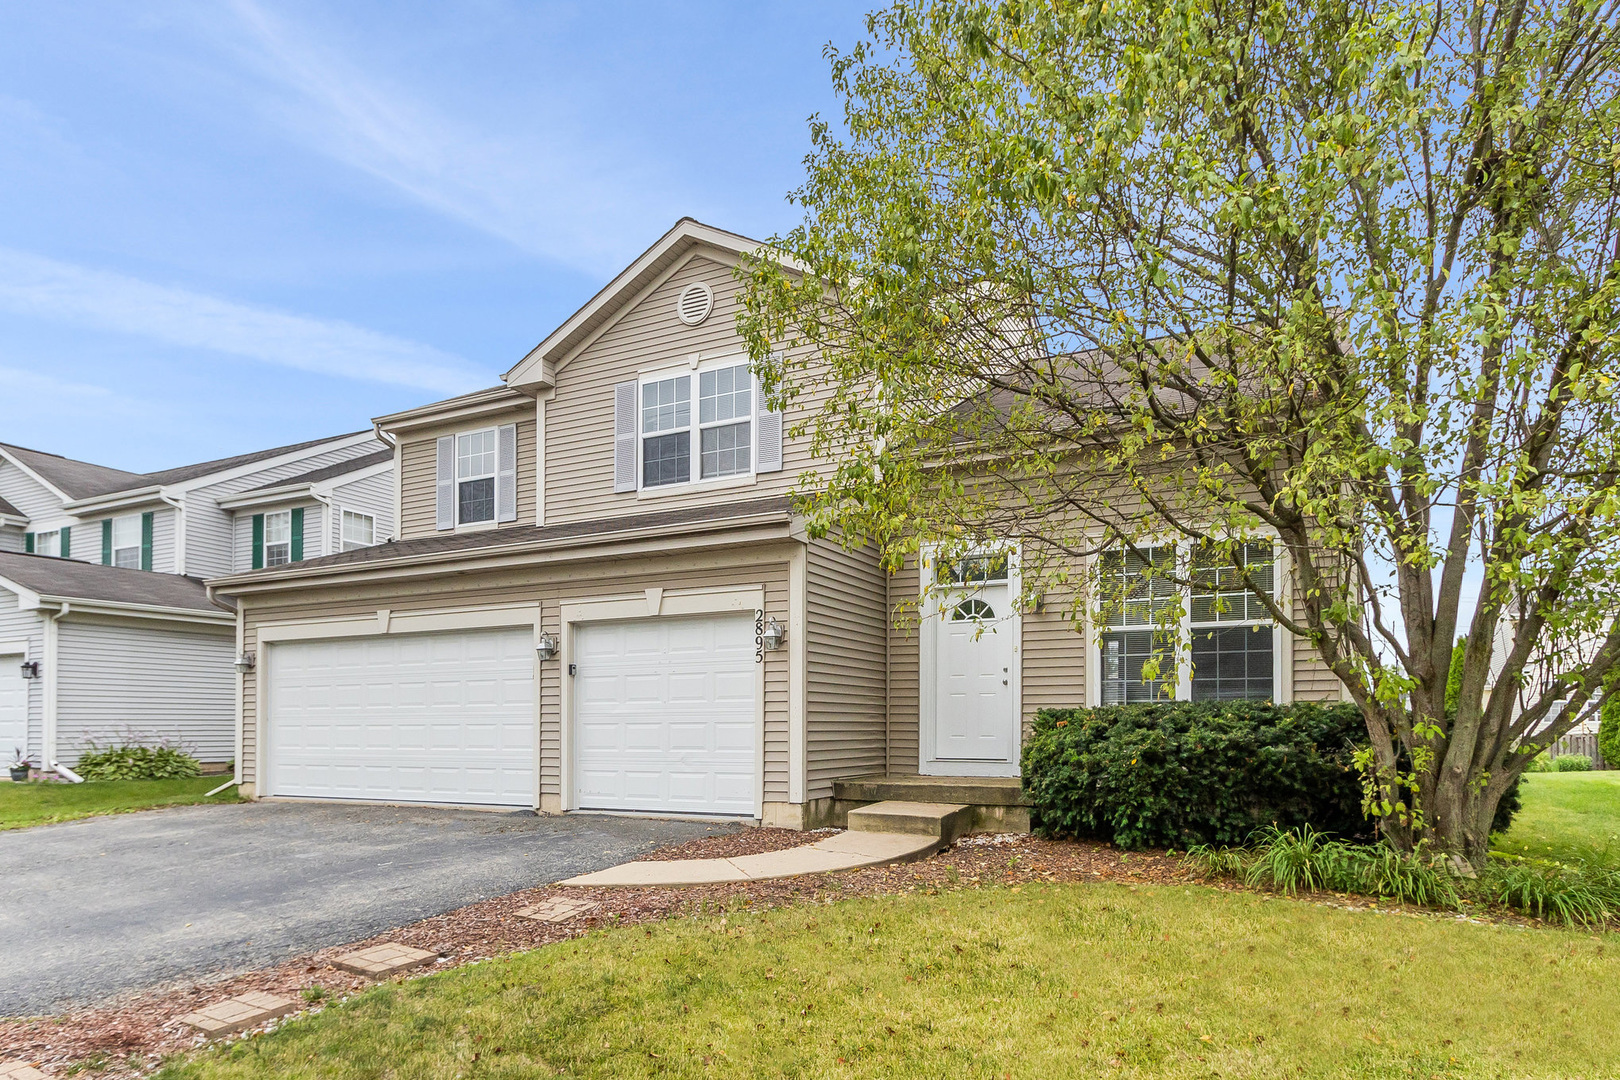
(1174, 774)
(1609, 730)
(1540, 763)
(1572, 763)
(1584, 895)
(136, 761)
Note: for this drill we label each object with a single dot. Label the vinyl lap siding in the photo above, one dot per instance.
(118, 680)
(844, 698)
(315, 532)
(549, 586)
(373, 495)
(904, 672)
(29, 496)
(19, 625)
(11, 538)
(418, 458)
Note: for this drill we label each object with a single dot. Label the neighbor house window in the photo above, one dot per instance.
(358, 530)
(475, 477)
(48, 543)
(1220, 626)
(278, 538)
(722, 426)
(126, 541)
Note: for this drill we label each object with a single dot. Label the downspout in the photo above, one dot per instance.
(332, 532)
(399, 495)
(47, 749)
(179, 529)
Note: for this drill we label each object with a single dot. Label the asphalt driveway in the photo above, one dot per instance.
(95, 908)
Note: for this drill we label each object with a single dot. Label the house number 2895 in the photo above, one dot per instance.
(759, 635)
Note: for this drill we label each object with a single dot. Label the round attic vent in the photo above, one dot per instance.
(695, 303)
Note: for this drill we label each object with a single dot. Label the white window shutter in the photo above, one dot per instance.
(768, 442)
(445, 500)
(624, 436)
(506, 473)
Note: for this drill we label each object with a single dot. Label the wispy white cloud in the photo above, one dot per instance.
(63, 292)
(569, 196)
(84, 398)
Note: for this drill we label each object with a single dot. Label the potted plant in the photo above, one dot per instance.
(19, 766)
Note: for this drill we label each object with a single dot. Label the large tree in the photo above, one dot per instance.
(1338, 274)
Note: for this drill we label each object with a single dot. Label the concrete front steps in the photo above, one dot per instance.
(996, 803)
(879, 833)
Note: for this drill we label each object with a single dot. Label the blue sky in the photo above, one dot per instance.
(233, 225)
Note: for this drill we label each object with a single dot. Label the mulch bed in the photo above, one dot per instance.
(131, 1035)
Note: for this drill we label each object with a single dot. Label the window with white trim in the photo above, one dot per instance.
(126, 541)
(48, 543)
(278, 538)
(475, 476)
(720, 428)
(1219, 626)
(358, 530)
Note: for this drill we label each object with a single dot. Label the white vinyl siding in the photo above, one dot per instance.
(11, 538)
(31, 498)
(19, 625)
(144, 681)
(373, 496)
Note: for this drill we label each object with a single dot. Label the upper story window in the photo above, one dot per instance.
(359, 530)
(722, 426)
(126, 541)
(1219, 625)
(49, 543)
(278, 538)
(666, 431)
(475, 477)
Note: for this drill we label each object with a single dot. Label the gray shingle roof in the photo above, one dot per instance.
(82, 480)
(74, 580)
(450, 543)
(329, 472)
(7, 508)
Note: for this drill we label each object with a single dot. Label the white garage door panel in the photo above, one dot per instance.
(409, 718)
(665, 715)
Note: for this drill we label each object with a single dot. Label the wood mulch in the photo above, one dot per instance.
(130, 1036)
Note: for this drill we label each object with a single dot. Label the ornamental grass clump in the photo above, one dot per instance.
(132, 760)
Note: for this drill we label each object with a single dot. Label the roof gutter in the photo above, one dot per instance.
(118, 500)
(753, 528)
(87, 606)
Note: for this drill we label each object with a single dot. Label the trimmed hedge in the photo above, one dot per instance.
(1608, 739)
(1172, 774)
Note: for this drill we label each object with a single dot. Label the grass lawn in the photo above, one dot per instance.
(1042, 981)
(1568, 816)
(22, 805)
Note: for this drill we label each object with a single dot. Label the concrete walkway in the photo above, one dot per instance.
(846, 851)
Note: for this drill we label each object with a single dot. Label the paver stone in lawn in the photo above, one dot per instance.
(238, 1013)
(20, 1070)
(558, 909)
(383, 960)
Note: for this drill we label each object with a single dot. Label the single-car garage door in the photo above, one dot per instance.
(665, 715)
(431, 718)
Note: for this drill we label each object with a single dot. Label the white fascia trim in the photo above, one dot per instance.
(128, 499)
(291, 493)
(757, 527)
(159, 612)
(489, 402)
(18, 520)
(27, 599)
(405, 622)
(46, 484)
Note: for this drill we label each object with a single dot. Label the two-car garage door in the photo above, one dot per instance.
(664, 717)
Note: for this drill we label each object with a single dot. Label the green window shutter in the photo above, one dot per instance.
(146, 540)
(28, 542)
(298, 534)
(106, 541)
(66, 538)
(258, 541)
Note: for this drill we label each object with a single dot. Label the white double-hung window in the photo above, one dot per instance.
(722, 426)
(278, 538)
(475, 477)
(358, 530)
(1214, 641)
(126, 541)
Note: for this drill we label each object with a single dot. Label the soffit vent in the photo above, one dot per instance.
(695, 303)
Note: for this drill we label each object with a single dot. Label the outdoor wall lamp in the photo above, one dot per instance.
(773, 635)
(30, 669)
(245, 663)
(546, 647)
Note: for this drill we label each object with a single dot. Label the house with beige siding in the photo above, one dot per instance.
(601, 598)
(106, 630)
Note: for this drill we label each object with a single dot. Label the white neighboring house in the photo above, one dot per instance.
(92, 653)
(139, 544)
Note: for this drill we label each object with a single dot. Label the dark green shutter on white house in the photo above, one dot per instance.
(297, 534)
(28, 543)
(146, 540)
(106, 541)
(258, 541)
(64, 542)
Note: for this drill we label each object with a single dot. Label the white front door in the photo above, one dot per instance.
(975, 656)
(421, 718)
(665, 715)
(13, 706)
